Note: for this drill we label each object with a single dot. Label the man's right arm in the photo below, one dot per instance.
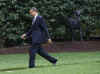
(29, 32)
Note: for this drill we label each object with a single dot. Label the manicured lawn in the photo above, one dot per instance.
(69, 63)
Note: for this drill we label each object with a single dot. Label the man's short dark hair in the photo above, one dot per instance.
(34, 9)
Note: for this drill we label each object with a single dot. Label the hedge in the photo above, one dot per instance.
(15, 19)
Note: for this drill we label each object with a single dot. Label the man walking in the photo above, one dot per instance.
(40, 35)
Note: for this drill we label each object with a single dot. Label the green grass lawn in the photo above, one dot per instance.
(69, 63)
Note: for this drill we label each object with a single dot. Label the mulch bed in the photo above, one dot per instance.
(68, 46)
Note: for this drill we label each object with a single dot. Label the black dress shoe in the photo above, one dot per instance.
(31, 66)
(55, 62)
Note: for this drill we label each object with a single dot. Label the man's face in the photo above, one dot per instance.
(33, 13)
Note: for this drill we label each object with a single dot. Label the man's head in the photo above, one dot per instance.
(33, 11)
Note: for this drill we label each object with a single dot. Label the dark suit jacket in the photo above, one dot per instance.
(74, 23)
(38, 31)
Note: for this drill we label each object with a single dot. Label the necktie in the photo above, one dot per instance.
(33, 21)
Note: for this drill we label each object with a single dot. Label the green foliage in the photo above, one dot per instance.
(15, 19)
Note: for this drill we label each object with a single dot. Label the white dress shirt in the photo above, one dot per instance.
(34, 19)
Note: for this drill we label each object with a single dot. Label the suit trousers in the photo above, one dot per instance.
(37, 48)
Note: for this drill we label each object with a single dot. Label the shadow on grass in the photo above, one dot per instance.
(57, 65)
(13, 69)
(41, 66)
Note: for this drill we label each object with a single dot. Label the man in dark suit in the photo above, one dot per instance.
(74, 24)
(40, 35)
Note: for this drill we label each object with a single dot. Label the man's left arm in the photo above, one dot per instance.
(44, 26)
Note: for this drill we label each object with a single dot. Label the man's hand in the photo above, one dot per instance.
(50, 41)
(23, 36)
